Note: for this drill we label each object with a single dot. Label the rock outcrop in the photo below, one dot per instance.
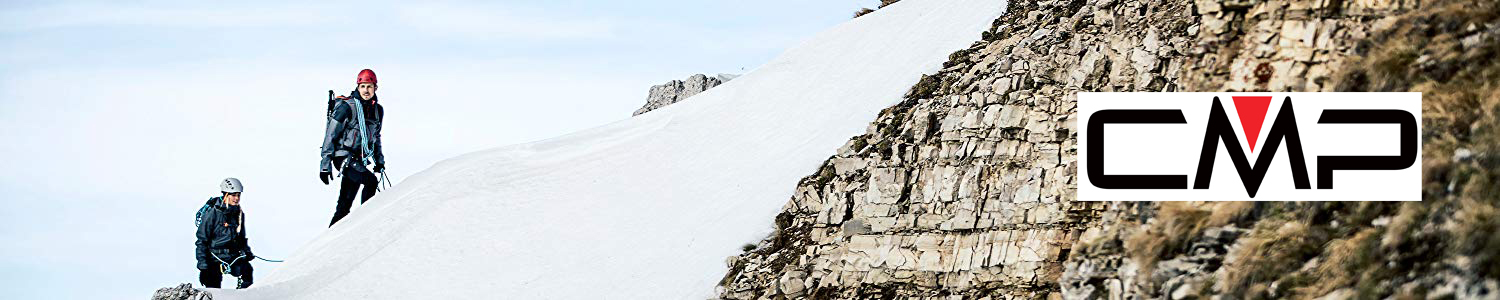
(865, 11)
(678, 90)
(965, 189)
(181, 292)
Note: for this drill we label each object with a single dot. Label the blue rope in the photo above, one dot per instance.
(364, 139)
(224, 266)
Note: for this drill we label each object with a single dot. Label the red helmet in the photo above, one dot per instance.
(365, 76)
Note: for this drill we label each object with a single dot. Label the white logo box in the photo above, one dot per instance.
(1174, 149)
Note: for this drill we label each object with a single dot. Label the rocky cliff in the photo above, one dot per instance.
(678, 90)
(965, 189)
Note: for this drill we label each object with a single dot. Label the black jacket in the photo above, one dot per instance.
(222, 234)
(341, 138)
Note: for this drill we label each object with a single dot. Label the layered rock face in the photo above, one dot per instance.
(678, 90)
(965, 189)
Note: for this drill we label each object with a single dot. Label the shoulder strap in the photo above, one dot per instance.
(201, 210)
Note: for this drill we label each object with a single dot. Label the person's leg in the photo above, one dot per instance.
(246, 273)
(347, 190)
(371, 186)
(210, 278)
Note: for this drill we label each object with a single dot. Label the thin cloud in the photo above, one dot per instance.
(115, 14)
(497, 22)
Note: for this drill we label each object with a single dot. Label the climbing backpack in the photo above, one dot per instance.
(333, 102)
(199, 220)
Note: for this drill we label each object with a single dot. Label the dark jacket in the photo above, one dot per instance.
(221, 234)
(341, 137)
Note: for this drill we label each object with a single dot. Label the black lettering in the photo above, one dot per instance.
(1326, 164)
(1096, 149)
(1219, 128)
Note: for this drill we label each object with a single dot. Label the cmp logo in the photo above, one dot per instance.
(1250, 147)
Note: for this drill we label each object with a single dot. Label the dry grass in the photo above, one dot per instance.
(1402, 224)
(1344, 262)
(1458, 218)
(1477, 234)
(1272, 250)
(1174, 226)
(1225, 213)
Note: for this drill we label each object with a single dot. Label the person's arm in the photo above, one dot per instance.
(245, 237)
(204, 237)
(375, 137)
(331, 135)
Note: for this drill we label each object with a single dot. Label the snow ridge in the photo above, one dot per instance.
(644, 208)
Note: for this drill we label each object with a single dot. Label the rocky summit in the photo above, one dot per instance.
(181, 292)
(678, 90)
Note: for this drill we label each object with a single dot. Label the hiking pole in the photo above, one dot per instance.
(385, 180)
(269, 260)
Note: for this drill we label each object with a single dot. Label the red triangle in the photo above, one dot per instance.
(1252, 110)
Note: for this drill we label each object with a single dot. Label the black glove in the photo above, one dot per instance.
(379, 168)
(325, 176)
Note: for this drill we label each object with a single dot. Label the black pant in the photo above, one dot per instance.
(210, 278)
(353, 180)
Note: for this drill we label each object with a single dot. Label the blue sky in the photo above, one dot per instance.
(119, 118)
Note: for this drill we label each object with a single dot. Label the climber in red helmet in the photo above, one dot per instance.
(351, 143)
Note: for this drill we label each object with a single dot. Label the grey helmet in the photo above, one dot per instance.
(231, 185)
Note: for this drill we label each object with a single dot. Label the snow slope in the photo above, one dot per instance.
(644, 208)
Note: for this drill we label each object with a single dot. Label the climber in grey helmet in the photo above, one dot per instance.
(222, 246)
